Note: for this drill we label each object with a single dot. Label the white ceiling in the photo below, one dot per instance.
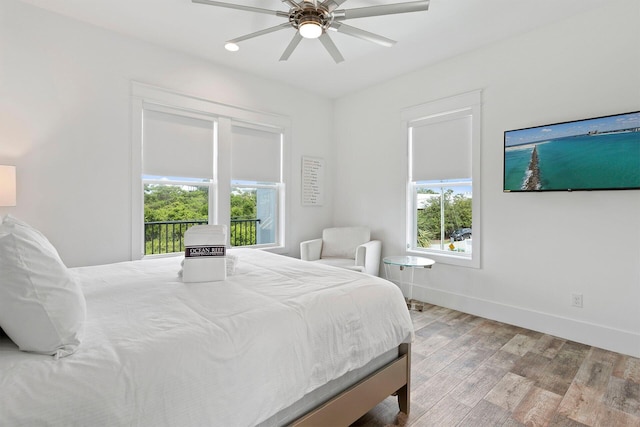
(448, 28)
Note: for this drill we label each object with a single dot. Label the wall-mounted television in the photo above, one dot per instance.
(600, 153)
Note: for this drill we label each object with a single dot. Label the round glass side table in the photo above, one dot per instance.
(411, 263)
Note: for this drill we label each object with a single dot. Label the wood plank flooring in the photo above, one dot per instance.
(470, 371)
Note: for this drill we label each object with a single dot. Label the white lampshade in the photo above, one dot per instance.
(310, 30)
(7, 185)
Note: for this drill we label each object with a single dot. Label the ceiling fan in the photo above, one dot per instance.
(313, 18)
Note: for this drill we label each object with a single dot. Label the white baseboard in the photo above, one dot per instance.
(617, 340)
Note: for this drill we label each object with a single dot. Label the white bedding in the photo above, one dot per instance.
(159, 352)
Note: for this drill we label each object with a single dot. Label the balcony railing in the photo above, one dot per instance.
(244, 232)
(161, 237)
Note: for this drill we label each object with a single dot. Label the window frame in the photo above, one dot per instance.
(464, 104)
(222, 115)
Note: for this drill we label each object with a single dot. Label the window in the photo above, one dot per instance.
(254, 213)
(177, 174)
(443, 217)
(188, 156)
(171, 206)
(256, 185)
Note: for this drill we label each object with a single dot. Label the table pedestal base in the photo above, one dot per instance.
(414, 304)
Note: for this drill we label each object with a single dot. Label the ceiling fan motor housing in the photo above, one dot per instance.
(310, 14)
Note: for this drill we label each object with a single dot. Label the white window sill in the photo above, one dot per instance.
(442, 257)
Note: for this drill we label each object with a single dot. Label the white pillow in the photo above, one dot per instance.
(42, 308)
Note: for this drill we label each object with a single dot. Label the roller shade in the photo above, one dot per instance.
(441, 147)
(177, 145)
(255, 154)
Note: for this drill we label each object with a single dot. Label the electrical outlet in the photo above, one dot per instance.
(576, 300)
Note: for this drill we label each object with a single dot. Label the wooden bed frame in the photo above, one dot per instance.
(345, 408)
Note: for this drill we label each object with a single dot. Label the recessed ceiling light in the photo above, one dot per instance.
(232, 47)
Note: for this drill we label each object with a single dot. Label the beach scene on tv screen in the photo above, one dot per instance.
(591, 154)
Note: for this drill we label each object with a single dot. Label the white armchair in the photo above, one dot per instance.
(346, 247)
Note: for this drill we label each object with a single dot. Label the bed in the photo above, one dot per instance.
(279, 342)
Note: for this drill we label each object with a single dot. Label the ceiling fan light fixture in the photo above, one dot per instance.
(231, 47)
(310, 28)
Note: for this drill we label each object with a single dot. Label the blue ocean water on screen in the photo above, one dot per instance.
(579, 162)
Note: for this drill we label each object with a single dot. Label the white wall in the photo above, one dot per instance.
(65, 123)
(537, 249)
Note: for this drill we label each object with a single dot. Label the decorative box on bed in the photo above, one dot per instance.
(281, 341)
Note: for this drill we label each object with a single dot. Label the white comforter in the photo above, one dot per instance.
(159, 352)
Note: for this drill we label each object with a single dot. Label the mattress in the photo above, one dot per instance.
(160, 352)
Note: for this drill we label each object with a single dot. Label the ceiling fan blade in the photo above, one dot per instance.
(242, 7)
(291, 3)
(386, 9)
(331, 48)
(260, 33)
(292, 46)
(332, 5)
(361, 34)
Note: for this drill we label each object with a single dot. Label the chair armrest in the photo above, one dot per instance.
(310, 250)
(368, 256)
